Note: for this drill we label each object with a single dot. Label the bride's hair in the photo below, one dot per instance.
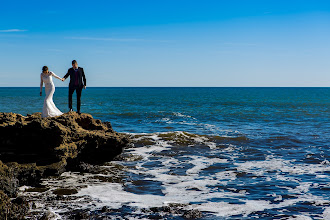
(44, 68)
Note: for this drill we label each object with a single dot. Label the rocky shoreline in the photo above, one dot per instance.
(32, 147)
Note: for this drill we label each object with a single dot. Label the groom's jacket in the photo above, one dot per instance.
(74, 81)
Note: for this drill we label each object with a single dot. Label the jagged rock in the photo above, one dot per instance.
(45, 141)
(192, 214)
(32, 147)
(8, 181)
(15, 209)
(80, 214)
(50, 215)
(177, 209)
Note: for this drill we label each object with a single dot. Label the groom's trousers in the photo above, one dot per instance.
(78, 92)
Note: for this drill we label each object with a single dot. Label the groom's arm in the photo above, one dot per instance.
(67, 75)
(83, 75)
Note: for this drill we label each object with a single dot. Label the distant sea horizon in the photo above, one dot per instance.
(177, 86)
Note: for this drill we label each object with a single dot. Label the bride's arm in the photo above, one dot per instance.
(41, 83)
(57, 77)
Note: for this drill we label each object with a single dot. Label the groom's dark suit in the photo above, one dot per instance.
(77, 82)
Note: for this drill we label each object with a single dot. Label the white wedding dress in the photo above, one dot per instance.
(49, 109)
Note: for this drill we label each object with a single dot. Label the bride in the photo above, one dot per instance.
(49, 109)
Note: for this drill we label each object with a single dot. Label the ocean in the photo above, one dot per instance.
(231, 153)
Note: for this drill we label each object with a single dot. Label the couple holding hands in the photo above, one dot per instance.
(77, 83)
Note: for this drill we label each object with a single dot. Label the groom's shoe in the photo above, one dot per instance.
(79, 113)
(71, 110)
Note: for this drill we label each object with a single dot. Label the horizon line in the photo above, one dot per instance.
(177, 87)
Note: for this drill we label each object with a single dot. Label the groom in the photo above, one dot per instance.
(77, 82)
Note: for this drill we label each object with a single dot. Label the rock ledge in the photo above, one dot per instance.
(32, 147)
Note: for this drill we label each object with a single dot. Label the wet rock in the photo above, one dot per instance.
(155, 216)
(78, 166)
(62, 192)
(128, 157)
(8, 181)
(174, 209)
(15, 209)
(105, 209)
(166, 209)
(37, 189)
(192, 214)
(80, 214)
(50, 215)
(18, 201)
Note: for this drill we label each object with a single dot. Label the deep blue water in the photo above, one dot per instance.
(274, 142)
(300, 112)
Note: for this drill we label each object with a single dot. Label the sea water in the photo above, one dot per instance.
(231, 153)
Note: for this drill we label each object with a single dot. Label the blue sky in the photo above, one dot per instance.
(167, 43)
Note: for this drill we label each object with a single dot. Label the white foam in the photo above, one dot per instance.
(113, 195)
(326, 213)
(259, 168)
(177, 136)
(182, 115)
(226, 175)
(299, 217)
(177, 190)
(225, 209)
(302, 188)
(202, 163)
(52, 215)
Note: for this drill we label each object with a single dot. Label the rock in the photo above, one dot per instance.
(56, 140)
(106, 209)
(8, 181)
(166, 209)
(62, 192)
(175, 209)
(15, 209)
(50, 215)
(33, 147)
(80, 214)
(192, 214)
(10, 209)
